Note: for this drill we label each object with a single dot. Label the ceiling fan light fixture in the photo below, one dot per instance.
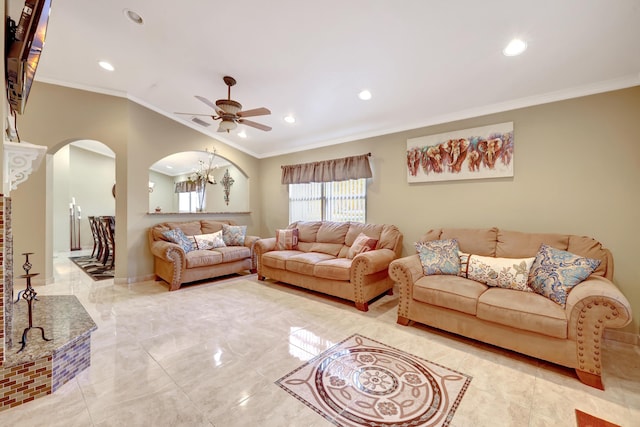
(229, 106)
(227, 125)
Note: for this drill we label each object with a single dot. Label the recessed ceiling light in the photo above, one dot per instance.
(289, 119)
(515, 47)
(242, 134)
(365, 95)
(133, 16)
(105, 65)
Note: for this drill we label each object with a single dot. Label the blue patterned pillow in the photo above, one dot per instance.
(439, 256)
(554, 272)
(233, 235)
(177, 236)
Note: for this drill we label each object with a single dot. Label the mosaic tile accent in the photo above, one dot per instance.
(361, 382)
(3, 318)
(70, 361)
(25, 382)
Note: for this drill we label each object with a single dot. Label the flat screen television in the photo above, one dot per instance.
(25, 41)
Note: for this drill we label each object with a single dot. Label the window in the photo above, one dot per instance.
(187, 201)
(330, 201)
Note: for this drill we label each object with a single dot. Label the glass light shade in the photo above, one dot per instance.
(227, 125)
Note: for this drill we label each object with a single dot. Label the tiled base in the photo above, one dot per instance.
(70, 361)
(25, 382)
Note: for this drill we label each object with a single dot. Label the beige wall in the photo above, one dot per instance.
(57, 115)
(577, 171)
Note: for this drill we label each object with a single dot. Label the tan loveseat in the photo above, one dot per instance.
(321, 262)
(175, 266)
(526, 322)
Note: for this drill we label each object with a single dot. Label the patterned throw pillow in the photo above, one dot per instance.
(363, 243)
(508, 273)
(554, 272)
(287, 239)
(209, 241)
(439, 256)
(177, 236)
(233, 235)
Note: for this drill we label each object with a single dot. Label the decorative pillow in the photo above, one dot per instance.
(554, 272)
(287, 239)
(209, 241)
(363, 243)
(439, 256)
(233, 235)
(177, 236)
(508, 273)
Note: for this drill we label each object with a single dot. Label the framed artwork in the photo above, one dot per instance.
(476, 153)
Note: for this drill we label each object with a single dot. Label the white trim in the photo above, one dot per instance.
(559, 95)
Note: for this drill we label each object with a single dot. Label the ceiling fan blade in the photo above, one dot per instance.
(200, 122)
(255, 112)
(206, 101)
(254, 124)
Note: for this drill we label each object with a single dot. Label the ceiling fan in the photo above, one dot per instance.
(229, 112)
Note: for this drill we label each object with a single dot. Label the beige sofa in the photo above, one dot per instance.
(526, 322)
(175, 266)
(321, 262)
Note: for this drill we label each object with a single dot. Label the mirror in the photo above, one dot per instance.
(194, 181)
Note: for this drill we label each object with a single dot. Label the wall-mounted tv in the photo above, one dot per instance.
(25, 41)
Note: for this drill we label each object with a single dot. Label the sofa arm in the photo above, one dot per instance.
(372, 261)
(250, 242)
(261, 247)
(170, 252)
(592, 306)
(405, 272)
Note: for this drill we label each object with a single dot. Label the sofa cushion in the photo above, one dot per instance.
(286, 239)
(277, 259)
(189, 228)
(233, 253)
(305, 263)
(212, 226)
(209, 241)
(200, 258)
(333, 269)
(356, 228)
(590, 248)
(327, 248)
(332, 232)
(233, 235)
(439, 256)
(363, 243)
(516, 244)
(452, 292)
(308, 230)
(177, 236)
(554, 272)
(509, 273)
(528, 311)
(480, 241)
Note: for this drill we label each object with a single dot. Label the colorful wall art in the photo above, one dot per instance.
(477, 153)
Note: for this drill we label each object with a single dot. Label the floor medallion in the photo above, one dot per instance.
(362, 382)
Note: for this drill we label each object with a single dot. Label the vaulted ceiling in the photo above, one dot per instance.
(424, 61)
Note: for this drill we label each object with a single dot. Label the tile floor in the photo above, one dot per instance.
(208, 355)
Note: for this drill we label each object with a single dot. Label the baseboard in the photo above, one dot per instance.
(130, 280)
(622, 336)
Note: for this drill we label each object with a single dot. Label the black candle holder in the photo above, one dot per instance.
(29, 294)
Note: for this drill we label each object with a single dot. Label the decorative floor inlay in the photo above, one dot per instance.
(361, 382)
(93, 267)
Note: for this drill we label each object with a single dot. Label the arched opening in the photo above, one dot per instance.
(175, 184)
(83, 175)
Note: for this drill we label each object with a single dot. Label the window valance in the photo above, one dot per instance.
(354, 167)
(186, 186)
